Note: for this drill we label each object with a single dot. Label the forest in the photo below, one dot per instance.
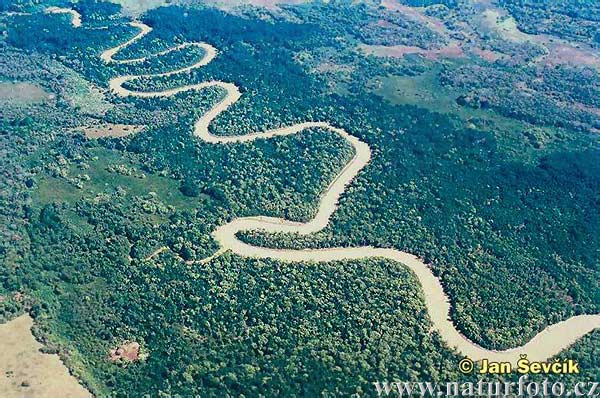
(573, 20)
(513, 238)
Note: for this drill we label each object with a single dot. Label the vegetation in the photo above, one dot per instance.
(575, 20)
(498, 190)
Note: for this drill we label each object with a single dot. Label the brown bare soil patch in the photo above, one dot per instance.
(451, 51)
(559, 51)
(416, 14)
(25, 372)
(110, 130)
(586, 108)
(567, 54)
(487, 55)
(126, 352)
(271, 3)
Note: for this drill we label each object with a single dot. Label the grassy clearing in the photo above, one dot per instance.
(425, 91)
(84, 96)
(107, 171)
(422, 90)
(27, 372)
(23, 93)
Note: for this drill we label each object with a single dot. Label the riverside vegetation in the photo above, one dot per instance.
(511, 235)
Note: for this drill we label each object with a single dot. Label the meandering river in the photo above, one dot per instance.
(544, 345)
